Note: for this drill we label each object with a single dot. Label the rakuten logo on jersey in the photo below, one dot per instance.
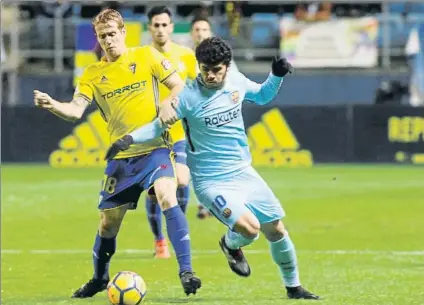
(223, 118)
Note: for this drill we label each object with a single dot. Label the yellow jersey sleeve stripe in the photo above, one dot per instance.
(83, 96)
(172, 73)
(156, 93)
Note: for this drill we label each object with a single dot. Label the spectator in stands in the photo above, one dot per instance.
(415, 57)
(233, 11)
(3, 52)
(313, 11)
(203, 12)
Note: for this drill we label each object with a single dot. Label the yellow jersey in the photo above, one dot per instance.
(184, 61)
(127, 93)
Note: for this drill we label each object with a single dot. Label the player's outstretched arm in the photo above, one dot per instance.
(71, 111)
(264, 93)
(175, 84)
(143, 134)
(150, 131)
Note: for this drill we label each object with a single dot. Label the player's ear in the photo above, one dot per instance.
(171, 27)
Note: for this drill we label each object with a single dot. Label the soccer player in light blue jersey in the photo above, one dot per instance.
(219, 158)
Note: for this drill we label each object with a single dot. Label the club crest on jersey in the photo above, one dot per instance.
(235, 97)
(226, 213)
(132, 67)
(166, 64)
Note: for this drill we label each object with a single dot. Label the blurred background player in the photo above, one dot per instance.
(124, 85)
(220, 161)
(183, 59)
(201, 29)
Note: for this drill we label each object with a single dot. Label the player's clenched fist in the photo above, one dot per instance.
(280, 66)
(42, 100)
(167, 114)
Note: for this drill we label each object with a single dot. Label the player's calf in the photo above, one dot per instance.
(178, 233)
(284, 255)
(103, 250)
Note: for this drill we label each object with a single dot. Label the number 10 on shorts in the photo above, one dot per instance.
(220, 201)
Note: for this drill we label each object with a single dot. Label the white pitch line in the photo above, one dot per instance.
(206, 252)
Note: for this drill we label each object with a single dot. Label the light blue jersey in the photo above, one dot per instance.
(217, 144)
(217, 149)
(213, 121)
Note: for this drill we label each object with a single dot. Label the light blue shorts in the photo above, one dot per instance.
(231, 198)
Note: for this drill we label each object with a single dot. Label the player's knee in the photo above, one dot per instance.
(274, 231)
(165, 190)
(109, 227)
(249, 227)
(110, 222)
(253, 230)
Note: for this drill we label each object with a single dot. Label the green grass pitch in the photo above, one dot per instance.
(359, 233)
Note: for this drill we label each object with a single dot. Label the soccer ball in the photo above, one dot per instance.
(126, 288)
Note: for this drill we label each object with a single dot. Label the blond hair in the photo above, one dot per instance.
(107, 15)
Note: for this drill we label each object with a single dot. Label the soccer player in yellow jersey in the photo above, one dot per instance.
(183, 59)
(124, 85)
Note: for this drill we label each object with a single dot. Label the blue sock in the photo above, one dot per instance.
(177, 227)
(284, 255)
(103, 250)
(154, 216)
(183, 193)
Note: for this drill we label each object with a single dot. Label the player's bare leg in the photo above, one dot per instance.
(245, 231)
(154, 214)
(284, 255)
(104, 248)
(177, 228)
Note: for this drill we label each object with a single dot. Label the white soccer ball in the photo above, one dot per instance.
(126, 288)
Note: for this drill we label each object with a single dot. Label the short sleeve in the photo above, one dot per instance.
(161, 67)
(84, 87)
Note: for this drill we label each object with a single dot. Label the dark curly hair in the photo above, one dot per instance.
(213, 51)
